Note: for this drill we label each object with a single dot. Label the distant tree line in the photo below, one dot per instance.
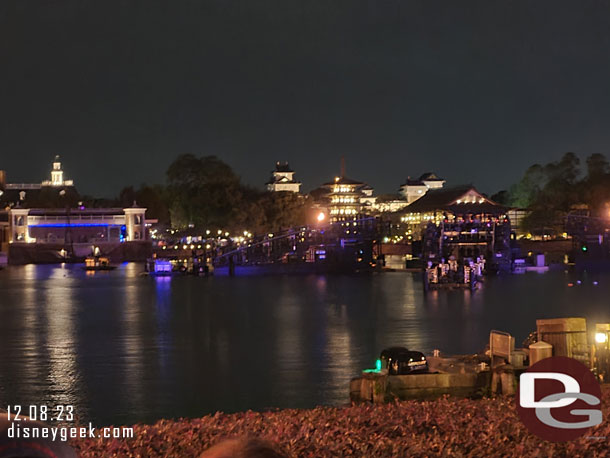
(205, 193)
(554, 190)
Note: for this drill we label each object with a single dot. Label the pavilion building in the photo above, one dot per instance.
(282, 179)
(32, 233)
(76, 225)
(344, 198)
(458, 221)
(413, 190)
(449, 204)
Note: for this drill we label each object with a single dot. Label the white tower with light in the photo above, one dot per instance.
(135, 223)
(57, 176)
(19, 227)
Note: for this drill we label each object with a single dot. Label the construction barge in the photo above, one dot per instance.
(459, 235)
(494, 371)
(446, 376)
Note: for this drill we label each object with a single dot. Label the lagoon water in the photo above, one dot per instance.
(123, 348)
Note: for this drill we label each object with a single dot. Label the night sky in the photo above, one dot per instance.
(474, 90)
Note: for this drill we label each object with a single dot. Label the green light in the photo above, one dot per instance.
(376, 370)
(584, 248)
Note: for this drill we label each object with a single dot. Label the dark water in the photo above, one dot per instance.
(123, 348)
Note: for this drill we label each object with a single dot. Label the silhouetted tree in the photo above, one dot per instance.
(153, 198)
(501, 197)
(204, 192)
(207, 194)
(552, 191)
(525, 191)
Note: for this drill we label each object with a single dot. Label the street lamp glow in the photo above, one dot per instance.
(601, 337)
(321, 216)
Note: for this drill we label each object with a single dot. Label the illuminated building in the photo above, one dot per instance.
(55, 230)
(345, 199)
(461, 206)
(516, 216)
(51, 234)
(459, 224)
(57, 176)
(282, 179)
(389, 206)
(76, 225)
(18, 194)
(415, 189)
(57, 180)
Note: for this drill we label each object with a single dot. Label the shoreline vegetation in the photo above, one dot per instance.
(443, 427)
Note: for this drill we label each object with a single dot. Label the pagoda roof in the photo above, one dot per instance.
(285, 180)
(428, 176)
(283, 167)
(463, 199)
(344, 180)
(411, 182)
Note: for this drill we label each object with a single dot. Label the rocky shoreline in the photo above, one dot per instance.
(443, 427)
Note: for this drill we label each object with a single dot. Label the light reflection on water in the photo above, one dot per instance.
(125, 348)
(58, 309)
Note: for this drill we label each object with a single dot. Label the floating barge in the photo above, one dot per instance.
(447, 376)
(95, 263)
(494, 371)
(164, 268)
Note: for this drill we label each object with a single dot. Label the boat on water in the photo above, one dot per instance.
(166, 267)
(93, 263)
(162, 268)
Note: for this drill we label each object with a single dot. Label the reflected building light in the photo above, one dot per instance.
(30, 272)
(163, 287)
(321, 285)
(59, 308)
(132, 345)
(340, 353)
(33, 338)
(291, 346)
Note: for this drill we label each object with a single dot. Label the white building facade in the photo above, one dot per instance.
(412, 190)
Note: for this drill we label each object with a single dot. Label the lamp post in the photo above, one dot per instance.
(67, 233)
